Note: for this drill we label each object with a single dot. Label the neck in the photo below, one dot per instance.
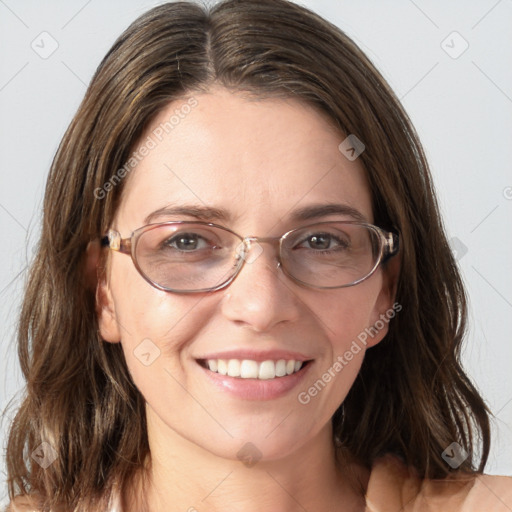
(181, 476)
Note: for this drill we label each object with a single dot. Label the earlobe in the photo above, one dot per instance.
(97, 281)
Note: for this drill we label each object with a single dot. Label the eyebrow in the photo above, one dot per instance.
(322, 210)
(199, 212)
(207, 213)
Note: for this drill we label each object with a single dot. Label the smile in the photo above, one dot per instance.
(250, 369)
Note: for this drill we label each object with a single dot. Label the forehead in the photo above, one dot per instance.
(260, 160)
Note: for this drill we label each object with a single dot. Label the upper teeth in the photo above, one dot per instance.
(249, 369)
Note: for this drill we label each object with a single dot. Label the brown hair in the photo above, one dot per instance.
(411, 397)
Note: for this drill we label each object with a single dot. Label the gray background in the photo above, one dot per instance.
(460, 102)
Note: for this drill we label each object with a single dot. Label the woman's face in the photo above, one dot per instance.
(260, 162)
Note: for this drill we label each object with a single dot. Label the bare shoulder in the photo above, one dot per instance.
(392, 484)
(499, 487)
(475, 492)
(466, 492)
(25, 503)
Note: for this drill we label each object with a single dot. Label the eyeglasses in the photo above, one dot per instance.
(195, 256)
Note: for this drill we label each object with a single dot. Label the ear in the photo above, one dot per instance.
(386, 307)
(96, 275)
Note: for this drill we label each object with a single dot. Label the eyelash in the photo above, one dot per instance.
(341, 244)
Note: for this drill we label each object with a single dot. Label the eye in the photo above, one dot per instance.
(187, 242)
(324, 242)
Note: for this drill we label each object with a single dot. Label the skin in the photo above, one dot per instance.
(260, 160)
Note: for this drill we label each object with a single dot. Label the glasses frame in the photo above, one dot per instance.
(389, 247)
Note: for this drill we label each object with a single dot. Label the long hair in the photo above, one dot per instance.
(411, 397)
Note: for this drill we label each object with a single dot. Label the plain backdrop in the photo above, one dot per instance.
(449, 63)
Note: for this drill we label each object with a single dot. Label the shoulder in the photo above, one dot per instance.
(25, 503)
(30, 503)
(393, 484)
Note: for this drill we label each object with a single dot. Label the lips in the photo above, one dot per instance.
(253, 375)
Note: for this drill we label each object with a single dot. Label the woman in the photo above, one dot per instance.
(243, 296)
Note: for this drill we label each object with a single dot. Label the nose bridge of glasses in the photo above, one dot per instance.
(252, 249)
(249, 241)
(262, 239)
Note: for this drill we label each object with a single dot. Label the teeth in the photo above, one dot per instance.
(222, 367)
(249, 369)
(281, 368)
(267, 370)
(233, 367)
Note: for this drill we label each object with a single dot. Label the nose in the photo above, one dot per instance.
(261, 296)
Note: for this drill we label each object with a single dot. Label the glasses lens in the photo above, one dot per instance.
(331, 255)
(187, 257)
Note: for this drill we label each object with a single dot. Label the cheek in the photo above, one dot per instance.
(155, 326)
(346, 313)
(345, 317)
